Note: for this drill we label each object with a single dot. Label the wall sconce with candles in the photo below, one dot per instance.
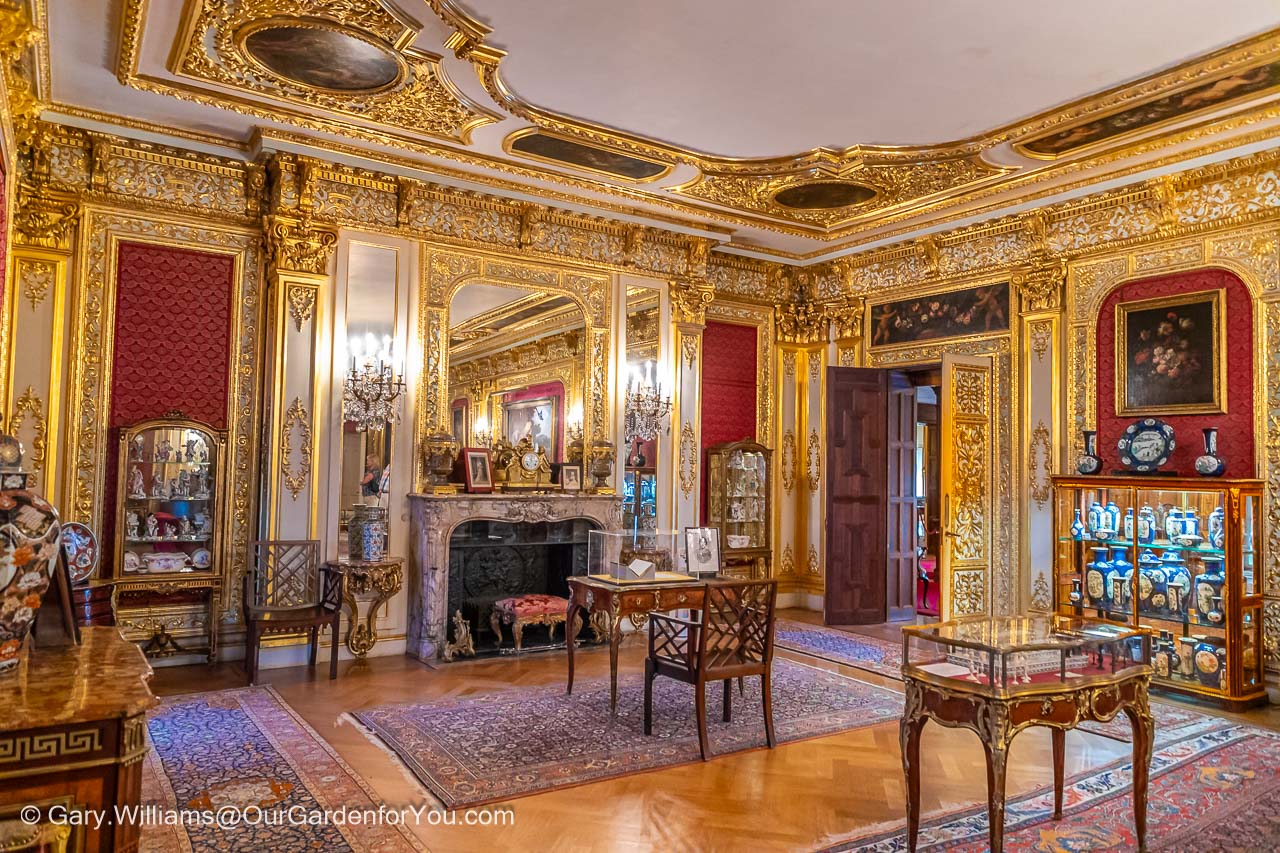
(372, 388)
(645, 406)
(481, 435)
(575, 433)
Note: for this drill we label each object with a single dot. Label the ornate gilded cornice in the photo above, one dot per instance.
(689, 302)
(299, 245)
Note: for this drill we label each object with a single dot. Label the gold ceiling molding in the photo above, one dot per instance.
(897, 184)
(212, 48)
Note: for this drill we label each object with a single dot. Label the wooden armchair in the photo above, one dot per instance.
(287, 591)
(732, 638)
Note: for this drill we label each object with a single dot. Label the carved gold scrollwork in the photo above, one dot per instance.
(1040, 464)
(789, 363)
(299, 245)
(1041, 334)
(29, 405)
(813, 461)
(689, 301)
(968, 593)
(296, 418)
(35, 278)
(789, 460)
(1041, 596)
(689, 346)
(688, 459)
(1040, 287)
(788, 560)
(812, 565)
(302, 303)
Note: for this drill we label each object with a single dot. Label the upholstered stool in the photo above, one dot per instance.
(534, 609)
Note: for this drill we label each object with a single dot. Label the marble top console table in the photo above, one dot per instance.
(433, 519)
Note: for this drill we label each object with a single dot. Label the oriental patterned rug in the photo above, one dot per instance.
(1216, 789)
(245, 747)
(518, 742)
(883, 657)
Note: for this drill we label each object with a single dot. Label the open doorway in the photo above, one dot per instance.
(914, 499)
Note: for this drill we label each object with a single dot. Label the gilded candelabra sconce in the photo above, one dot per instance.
(574, 430)
(372, 389)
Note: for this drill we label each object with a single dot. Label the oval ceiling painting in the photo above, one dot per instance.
(322, 57)
(824, 195)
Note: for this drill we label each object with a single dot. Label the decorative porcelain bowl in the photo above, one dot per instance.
(165, 562)
(738, 541)
(1102, 534)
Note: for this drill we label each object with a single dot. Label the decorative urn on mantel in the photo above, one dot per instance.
(29, 540)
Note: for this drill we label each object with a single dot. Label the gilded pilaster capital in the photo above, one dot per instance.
(45, 217)
(696, 256)
(1040, 286)
(17, 36)
(299, 245)
(801, 323)
(689, 301)
(846, 319)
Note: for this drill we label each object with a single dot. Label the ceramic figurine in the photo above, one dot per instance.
(135, 450)
(153, 526)
(1077, 527)
(185, 528)
(204, 454)
(206, 526)
(137, 487)
(171, 531)
(1089, 462)
(1146, 526)
(1210, 464)
(164, 450)
(131, 524)
(184, 484)
(191, 450)
(157, 488)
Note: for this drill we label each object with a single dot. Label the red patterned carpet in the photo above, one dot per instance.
(1215, 788)
(518, 742)
(235, 749)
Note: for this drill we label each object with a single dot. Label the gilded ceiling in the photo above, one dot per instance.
(425, 84)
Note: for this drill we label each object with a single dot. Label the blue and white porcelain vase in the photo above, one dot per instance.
(1146, 525)
(1095, 518)
(1173, 524)
(1209, 592)
(1089, 462)
(1113, 518)
(1128, 524)
(1121, 577)
(1077, 527)
(1097, 578)
(1210, 464)
(1217, 529)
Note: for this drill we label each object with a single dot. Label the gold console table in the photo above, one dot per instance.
(383, 579)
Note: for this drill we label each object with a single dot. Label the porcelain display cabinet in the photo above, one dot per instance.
(739, 502)
(1180, 556)
(170, 514)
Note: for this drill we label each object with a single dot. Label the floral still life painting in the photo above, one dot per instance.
(1170, 354)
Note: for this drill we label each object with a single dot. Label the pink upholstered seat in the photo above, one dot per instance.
(524, 606)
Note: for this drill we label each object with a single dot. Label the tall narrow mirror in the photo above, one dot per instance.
(640, 471)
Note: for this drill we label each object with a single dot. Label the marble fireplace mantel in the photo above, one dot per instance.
(433, 519)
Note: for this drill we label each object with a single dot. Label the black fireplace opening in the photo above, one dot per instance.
(493, 560)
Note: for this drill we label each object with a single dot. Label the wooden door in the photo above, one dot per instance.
(967, 463)
(902, 558)
(857, 496)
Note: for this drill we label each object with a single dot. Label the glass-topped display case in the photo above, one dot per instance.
(628, 557)
(739, 486)
(1005, 656)
(168, 524)
(1180, 556)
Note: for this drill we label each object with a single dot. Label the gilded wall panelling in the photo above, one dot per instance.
(689, 302)
(788, 530)
(37, 301)
(811, 487)
(90, 347)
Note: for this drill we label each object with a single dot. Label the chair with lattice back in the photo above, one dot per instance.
(287, 591)
(731, 637)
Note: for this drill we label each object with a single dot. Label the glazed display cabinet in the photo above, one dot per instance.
(170, 508)
(739, 487)
(1180, 556)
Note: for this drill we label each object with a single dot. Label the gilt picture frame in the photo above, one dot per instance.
(477, 470)
(1170, 355)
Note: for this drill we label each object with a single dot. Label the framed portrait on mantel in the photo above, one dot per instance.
(1171, 355)
(571, 478)
(477, 470)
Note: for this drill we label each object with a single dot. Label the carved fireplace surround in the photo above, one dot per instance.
(433, 519)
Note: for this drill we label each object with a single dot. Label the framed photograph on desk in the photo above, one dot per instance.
(702, 550)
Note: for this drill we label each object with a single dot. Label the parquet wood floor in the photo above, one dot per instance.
(797, 797)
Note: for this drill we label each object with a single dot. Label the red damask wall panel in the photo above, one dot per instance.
(1235, 428)
(172, 334)
(728, 387)
(172, 344)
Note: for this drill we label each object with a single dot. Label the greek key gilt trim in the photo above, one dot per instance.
(38, 746)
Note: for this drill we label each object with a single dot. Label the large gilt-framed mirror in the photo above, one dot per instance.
(517, 370)
(640, 454)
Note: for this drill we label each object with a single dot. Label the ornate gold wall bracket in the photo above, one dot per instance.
(689, 301)
(299, 245)
(298, 420)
